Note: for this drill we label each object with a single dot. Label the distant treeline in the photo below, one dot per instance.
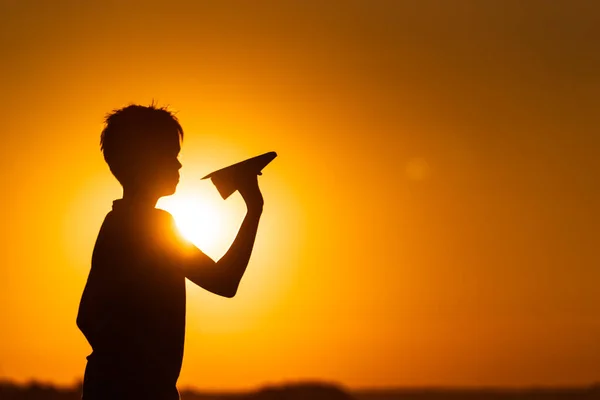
(316, 391)
(558, 393)
(322, 391)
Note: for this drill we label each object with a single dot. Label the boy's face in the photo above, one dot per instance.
(158, 172)
(167, 172)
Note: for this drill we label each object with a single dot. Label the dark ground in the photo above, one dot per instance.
(323, 391)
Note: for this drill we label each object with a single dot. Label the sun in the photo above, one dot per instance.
(196, 222)
(199, 218)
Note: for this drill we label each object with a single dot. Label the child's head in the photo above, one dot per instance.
(141, 145)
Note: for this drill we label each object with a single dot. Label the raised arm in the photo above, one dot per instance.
(224, 276)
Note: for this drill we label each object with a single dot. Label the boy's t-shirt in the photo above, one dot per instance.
(132, 311)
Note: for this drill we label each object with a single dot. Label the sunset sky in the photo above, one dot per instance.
(432, 218)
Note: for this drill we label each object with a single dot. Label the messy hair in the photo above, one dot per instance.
(133, 130)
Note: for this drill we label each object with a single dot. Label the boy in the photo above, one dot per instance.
(132, 310)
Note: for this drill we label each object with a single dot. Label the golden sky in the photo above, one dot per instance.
(432, 217)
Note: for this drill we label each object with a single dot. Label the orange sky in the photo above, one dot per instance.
(432, 217)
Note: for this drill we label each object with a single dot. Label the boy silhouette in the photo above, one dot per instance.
(132, 310)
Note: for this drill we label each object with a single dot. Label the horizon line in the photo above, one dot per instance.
(352, 389)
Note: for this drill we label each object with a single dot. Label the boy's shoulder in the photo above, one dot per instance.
(120, 224)
(163, 213)
(127, 215)
(164, 216)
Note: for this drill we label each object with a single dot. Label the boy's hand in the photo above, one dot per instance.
(251, 193)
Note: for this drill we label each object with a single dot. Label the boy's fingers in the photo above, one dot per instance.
(250, 183)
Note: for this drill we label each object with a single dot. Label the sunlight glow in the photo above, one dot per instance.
(197, 222)
(212, 224)
(200, 219)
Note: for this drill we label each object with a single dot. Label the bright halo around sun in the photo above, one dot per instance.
(198, 219)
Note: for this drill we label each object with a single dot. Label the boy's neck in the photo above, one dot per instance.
(140, 199)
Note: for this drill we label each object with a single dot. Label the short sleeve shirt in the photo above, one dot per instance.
(134, 301)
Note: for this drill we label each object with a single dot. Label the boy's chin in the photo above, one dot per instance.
(166, 193)
(170, 191)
